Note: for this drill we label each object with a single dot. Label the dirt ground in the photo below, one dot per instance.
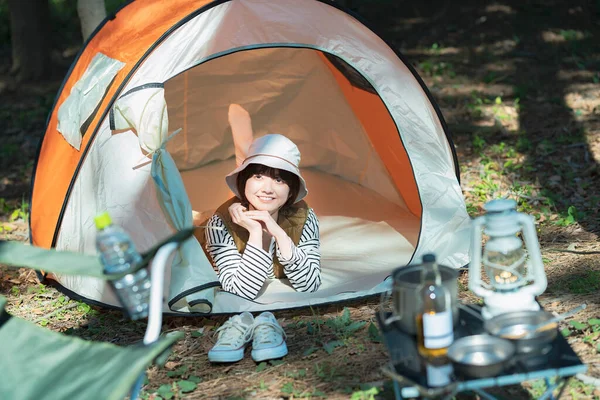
(518, 84)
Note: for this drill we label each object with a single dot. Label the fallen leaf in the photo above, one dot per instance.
(171, 365)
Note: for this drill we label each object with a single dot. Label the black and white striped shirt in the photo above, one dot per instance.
(244, 274)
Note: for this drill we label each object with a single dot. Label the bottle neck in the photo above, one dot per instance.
(431, 274)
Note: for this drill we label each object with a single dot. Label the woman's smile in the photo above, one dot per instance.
(266, 198)
(265, 193)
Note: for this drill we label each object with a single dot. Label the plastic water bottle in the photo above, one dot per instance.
(118, 255)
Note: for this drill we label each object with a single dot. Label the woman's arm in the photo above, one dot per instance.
(242, 274)
(303, 268)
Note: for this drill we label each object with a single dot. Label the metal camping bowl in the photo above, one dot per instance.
(515, 323)
(480, 356)
(406, 300)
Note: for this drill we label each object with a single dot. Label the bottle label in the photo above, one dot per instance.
(437, 330)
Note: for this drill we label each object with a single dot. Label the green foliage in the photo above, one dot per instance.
(166, 391)
(289, 390)
(373, 332)
(475, 105)
(538, 387)
(262, 385)
(22, 212)
(586, 283)
(177, 389)
(434, 67)
(478, 143)
(368, 394)
(85, 309)
(571, 217)
(296, 374)
(493, 77)
(265, 364)
(331, 345)
(576, 388)
(38, 289)
(578, 325)
(262, 366)
(178, 372)
(571, 35)
(487, 186)
(341, 326)
(472, 209)
(478, 105)
(524, 144)
(310, 350)
(437, 68)
(498, 111)
(325, 371)
(186, 386)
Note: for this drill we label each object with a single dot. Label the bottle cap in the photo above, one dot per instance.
(103, 220)
(428, 258)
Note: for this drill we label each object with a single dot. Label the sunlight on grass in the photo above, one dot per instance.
(562, 36)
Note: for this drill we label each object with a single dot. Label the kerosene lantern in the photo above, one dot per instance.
(514, 275)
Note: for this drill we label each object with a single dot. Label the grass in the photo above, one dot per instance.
(587, 282)
(517, 135)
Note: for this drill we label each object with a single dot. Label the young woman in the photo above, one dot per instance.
(266, 231)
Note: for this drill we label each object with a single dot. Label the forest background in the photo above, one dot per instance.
(518, 83)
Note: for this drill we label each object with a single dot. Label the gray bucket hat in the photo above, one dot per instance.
(275, 151)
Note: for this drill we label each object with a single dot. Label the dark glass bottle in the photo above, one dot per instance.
(434, 318)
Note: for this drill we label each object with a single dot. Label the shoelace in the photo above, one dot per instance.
(267, 331)
(232, 331)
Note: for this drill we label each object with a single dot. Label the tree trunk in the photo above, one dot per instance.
(91, 13)
(29, 30)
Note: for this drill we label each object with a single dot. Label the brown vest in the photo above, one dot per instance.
(290, 219)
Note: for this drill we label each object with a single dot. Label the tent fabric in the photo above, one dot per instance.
(37, 363)
(85, 97)
(190, 269)
(144, 111)
(378, 163)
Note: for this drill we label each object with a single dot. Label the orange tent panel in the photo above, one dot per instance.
(125, 38)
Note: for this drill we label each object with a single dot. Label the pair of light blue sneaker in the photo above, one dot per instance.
(267, 336)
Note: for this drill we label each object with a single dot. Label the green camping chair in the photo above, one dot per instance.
(37, 363)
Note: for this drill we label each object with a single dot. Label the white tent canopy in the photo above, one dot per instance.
(270, 58)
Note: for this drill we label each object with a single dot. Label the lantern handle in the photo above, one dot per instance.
(536, 266)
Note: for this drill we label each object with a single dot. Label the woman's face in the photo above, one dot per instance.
(265, 193)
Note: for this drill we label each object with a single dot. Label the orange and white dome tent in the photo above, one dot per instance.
(140, 129)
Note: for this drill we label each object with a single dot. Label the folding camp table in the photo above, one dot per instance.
(413, 377)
